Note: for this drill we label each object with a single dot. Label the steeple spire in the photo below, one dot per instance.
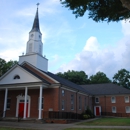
(35, 26)
(34, 47)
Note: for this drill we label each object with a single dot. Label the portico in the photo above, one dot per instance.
(23, 100)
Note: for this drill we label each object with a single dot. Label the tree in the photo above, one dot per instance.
(5, 66)
(100, 10)
(122, 78)
(78, 77)
(99, 77)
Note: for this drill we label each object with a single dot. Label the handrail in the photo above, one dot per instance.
(19, 116)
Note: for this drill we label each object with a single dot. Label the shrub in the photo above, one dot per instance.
(89, 112)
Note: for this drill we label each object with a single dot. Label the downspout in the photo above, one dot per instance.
(88, 102)
(59, 96)
(76, 103)
(93, 103)
(105, 104)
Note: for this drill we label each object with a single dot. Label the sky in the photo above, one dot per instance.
(69, 43)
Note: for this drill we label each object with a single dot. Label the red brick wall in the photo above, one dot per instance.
(51, 100)
(106, 105)
(67, 99)
(13, 94)
(51, 96)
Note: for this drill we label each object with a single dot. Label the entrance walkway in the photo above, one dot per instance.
(51, 126)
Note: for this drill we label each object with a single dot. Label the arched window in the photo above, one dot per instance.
(16, 77)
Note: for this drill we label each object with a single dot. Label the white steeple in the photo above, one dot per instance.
(34, 47)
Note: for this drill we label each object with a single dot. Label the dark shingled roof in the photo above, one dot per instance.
(36, 23)
(62, 81)
(106, 89)
(66, 82)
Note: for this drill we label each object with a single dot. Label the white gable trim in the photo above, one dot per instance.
(19, 86)
(20, 68)
(8, 78)
(39, 71)
(9, 71)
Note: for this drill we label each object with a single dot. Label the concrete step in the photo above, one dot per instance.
(27, 120)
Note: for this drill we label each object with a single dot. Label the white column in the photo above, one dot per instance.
(40, 103)
(5, 101)
(25, 102)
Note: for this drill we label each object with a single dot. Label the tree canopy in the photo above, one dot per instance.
(5, 66)
(78, 77)
(99, 77)
(100, 10)
(122, 78)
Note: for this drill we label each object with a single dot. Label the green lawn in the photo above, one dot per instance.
(108, 122)
(94, 129)
(6, 128)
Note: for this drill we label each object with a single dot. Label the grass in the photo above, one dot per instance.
(7, 128)
(95, 129)
(108, 122)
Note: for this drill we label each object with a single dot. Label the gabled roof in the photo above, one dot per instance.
(67, 83)
(35, 75)
(56, 78)
(106, 89)
(25, 77)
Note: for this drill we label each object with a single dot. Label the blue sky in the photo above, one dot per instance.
(68, 43)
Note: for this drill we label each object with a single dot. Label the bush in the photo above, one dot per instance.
(89, 112)
(86, 116)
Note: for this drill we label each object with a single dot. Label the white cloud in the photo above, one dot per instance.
(94, 58)
(126, 27)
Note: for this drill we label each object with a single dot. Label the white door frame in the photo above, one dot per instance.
(22, 97)
(95, 110)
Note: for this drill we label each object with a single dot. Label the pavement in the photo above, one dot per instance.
(52, 126)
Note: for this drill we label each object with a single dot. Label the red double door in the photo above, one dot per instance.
(21, 110)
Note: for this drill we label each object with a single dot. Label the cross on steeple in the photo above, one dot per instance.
(38, 4)
(35, 26)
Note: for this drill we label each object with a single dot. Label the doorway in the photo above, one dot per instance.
(21, 109)
(97, 110)
(20, 106)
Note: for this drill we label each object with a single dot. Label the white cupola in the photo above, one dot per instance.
(34, 47)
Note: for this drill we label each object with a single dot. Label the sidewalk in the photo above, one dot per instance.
(52, 126)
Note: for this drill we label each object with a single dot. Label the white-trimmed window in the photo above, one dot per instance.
(63, 92)
(42, 106)
(80, 103)
(8, 103)
(72, 102)
(113, 109)
(113, 99)
(126, 99)
(63, 105)
(96, 99)
(127, 108)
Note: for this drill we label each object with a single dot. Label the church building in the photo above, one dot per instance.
(29, 90)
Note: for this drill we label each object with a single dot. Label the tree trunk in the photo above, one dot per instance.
(126, 3)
